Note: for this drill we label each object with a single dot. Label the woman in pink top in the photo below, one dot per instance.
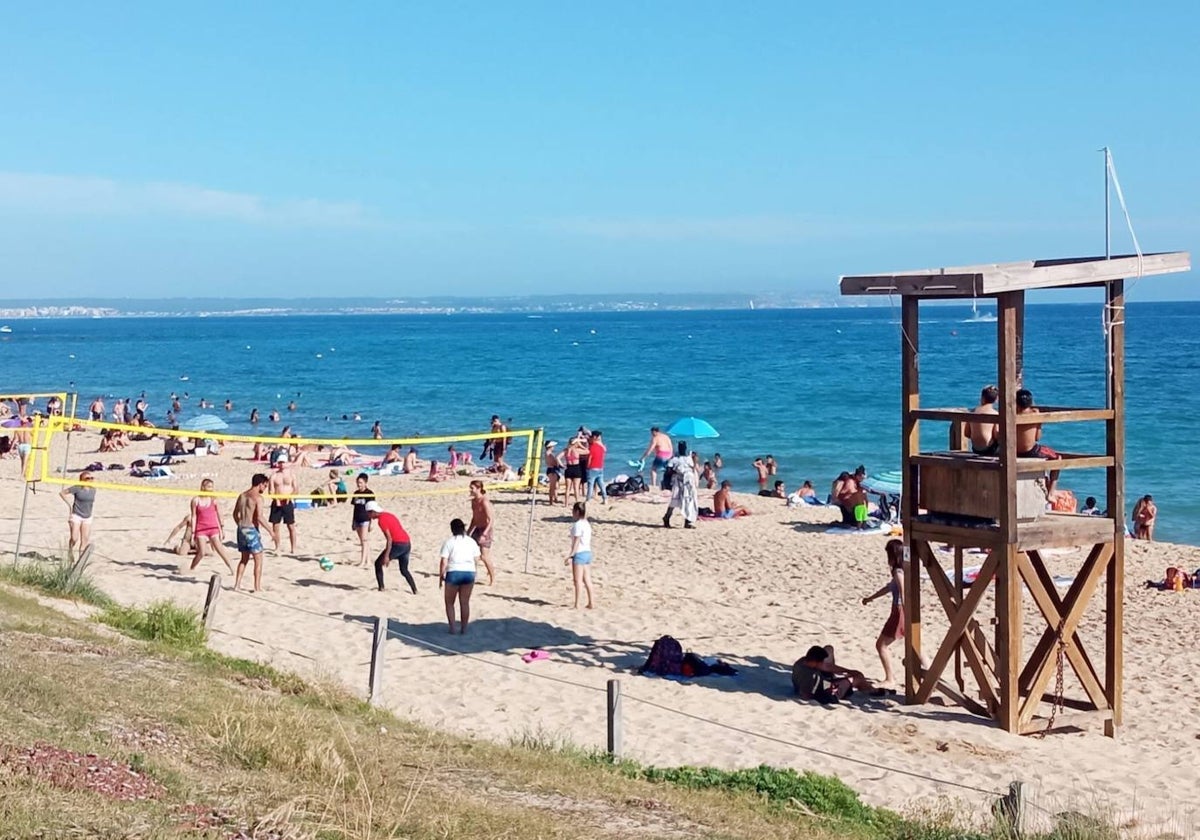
(206, 525)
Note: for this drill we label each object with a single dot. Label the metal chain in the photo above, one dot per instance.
(1060, 656)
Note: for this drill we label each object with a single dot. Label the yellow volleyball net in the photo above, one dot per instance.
(174, 462)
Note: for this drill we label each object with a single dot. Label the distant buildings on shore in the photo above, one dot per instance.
(533, 305)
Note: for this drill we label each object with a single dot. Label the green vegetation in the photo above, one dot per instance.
(54, 576)
(242, 749)
(162, 622)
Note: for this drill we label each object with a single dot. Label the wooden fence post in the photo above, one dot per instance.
(375, 688)
(210, 600)
(614, 718)
(1010, 809)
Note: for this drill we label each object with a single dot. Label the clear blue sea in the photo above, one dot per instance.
(818, 389)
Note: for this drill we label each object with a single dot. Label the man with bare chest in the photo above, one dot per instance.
(283, 491)
(247, 516)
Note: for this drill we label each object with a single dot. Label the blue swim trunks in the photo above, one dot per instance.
(249, 540)
(582, 558)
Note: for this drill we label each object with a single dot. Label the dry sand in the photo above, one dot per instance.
(756, 592)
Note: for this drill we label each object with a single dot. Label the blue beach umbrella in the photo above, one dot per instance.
(204, 423)
(891, 481)
(692, 427)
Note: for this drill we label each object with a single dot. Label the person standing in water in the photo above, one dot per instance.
(660, 447)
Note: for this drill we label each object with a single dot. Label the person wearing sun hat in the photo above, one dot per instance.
(82, 498)
(397, 547)
(553, 470)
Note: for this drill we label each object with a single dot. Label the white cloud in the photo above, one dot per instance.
(94, 196)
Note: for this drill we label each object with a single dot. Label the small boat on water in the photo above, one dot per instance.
(5, 329)
(980, 317)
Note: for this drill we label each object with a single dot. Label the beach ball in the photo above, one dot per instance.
(326, 564)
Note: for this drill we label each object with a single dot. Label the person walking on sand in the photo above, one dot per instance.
(80, 498)
(206, 525)
(456, 573)
(247, 515)
(283, 490)
(660, 447)
(684, 487)
(580, 556)
(893, 628)
(360, 519)
(482, 520)
(397, 547)
(595, 468)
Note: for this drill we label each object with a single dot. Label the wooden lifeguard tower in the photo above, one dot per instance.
(993, 503)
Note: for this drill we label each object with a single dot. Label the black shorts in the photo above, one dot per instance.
(575, 471)
(284, 512)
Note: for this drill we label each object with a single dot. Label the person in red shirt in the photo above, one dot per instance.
(595, 468)
(398, 544)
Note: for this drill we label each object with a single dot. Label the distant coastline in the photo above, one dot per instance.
(531, 304)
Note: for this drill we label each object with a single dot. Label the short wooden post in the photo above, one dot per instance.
(614, 718)
(375, 688)
(1010, 809)
(210, 600)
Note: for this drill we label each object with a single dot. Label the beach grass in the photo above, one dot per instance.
(162, 622)
(242, 747)
(54, 576)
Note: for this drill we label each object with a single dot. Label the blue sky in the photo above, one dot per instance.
(265, 149)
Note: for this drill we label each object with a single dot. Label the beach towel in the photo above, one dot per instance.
(872, 528)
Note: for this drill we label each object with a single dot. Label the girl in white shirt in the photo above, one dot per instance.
(580, 558)
(457, 572)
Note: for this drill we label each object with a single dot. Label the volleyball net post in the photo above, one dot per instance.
(36, 445)
(533, 466)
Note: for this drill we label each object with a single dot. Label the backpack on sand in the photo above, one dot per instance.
(665, 659)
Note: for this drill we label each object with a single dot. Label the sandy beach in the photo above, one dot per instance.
(756, 592)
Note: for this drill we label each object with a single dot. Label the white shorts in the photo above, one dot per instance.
(79, 520)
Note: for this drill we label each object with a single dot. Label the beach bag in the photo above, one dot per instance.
(668, 478)
(634, 484)
(1064, 502)
(665, 659)
(1177, 578)
(694, 666)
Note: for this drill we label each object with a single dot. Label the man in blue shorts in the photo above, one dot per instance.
(247, 513)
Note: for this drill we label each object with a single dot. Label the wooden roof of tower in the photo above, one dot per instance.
(987, 280)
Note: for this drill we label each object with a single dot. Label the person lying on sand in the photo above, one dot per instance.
(817, 676)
